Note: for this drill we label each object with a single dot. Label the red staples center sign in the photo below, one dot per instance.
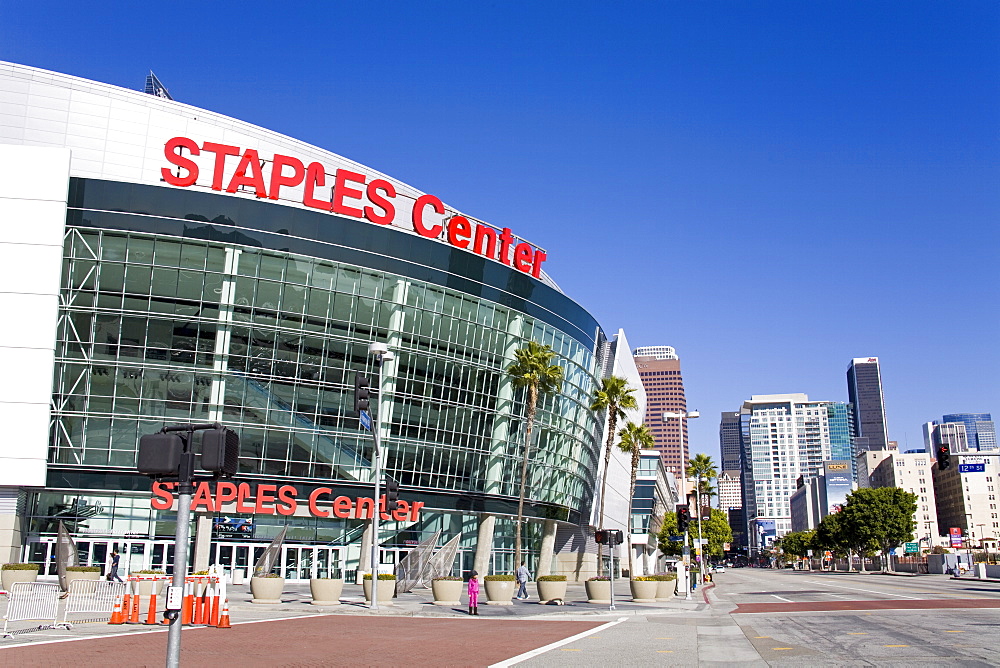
(267, 499)
(353, 195)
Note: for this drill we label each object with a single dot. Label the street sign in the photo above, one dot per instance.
(912, 548)
(366, 420)
(972, 468)
(676, 539)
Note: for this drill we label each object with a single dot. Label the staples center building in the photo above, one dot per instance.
(163, 264)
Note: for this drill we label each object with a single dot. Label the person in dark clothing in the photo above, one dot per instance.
(113, 573)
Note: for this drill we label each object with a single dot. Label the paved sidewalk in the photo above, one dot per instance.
(296, 603)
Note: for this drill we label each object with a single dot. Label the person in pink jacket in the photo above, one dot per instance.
(473, 593)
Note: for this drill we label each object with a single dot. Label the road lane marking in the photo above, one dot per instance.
(559, 643)
(780, 648)
(671, 638)
(954, 631)
(665, 651)
(870, 591)
(568, 650)
(786, 600)
(761, 637)
(895, 645)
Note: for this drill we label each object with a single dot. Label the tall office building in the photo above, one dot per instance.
(782, 437)
(729, 440)
(979, 429)
(864, 391)
(660, 371)
(911, 471)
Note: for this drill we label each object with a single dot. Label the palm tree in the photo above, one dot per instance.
(702, 467)
(616, 397)
(634, 437)
(532, 369)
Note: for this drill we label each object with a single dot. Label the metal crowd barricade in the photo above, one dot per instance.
(92, 597)
(33, 601)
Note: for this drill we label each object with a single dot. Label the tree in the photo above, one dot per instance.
(702, 467)
(532, 370)
(716, 530)
(614, 396)
(634, 437)
(797, 543)
(881, 517)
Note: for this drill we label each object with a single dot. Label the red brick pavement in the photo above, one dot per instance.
(827, 606)
(330, 640)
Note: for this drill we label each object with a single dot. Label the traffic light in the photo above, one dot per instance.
(601, 537)
(220, 451)
(361, 393)
(391, 494)
(160, 454)
(943, 457)
(615, 537)
(683, 517)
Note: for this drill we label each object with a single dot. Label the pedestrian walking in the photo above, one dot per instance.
(473, 593)
(113, 570)
(523, 575)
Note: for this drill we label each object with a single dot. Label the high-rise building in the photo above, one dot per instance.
(911, 471)
(729, 440)
(864, 391)
(728, 489)
(660, 371)
(968, 499)
(979, 429)
(951, 434)
(783, 437)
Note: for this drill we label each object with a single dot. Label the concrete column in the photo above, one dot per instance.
(364, 563)
(547, 548)
(484, 543)
(202, 541)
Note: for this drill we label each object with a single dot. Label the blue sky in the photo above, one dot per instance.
(771, 187)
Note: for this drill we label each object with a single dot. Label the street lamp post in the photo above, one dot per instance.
(382, 354)
(680, 419)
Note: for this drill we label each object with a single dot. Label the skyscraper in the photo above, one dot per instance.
(782, 437)
(979, 429)
(864, 391)
(660, 371)
(729, 440)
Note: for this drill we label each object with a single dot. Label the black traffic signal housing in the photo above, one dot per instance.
(391, 494)
(160, 454)
(362, 393)
(220, 451)
(683, 517)
(943, 457)
(615, 537)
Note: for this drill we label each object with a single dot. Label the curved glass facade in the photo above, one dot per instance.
(171, 317)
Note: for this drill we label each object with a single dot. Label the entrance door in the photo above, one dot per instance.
(302, 562)
(135, 554)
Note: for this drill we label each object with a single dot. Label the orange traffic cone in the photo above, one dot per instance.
(117, 617)
(224, 619)
(151, 615)
(133, 617)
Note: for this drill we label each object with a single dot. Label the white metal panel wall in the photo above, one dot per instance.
(34, 185)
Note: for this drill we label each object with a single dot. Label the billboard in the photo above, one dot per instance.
(232, 527)
(839, 483)
(956, 536)
(766, 532)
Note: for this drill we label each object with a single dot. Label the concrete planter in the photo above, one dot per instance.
(447, 592)
(599, 591)
(551, 590)
(665, 589)
(146, 586)
(644, 591)
(78, 575)
(326, 591)
(266, 590)
(499, 592)
(7, 578)
(386, 590)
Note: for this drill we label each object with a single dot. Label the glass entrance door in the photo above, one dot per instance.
(302, 562)
(135, 554)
